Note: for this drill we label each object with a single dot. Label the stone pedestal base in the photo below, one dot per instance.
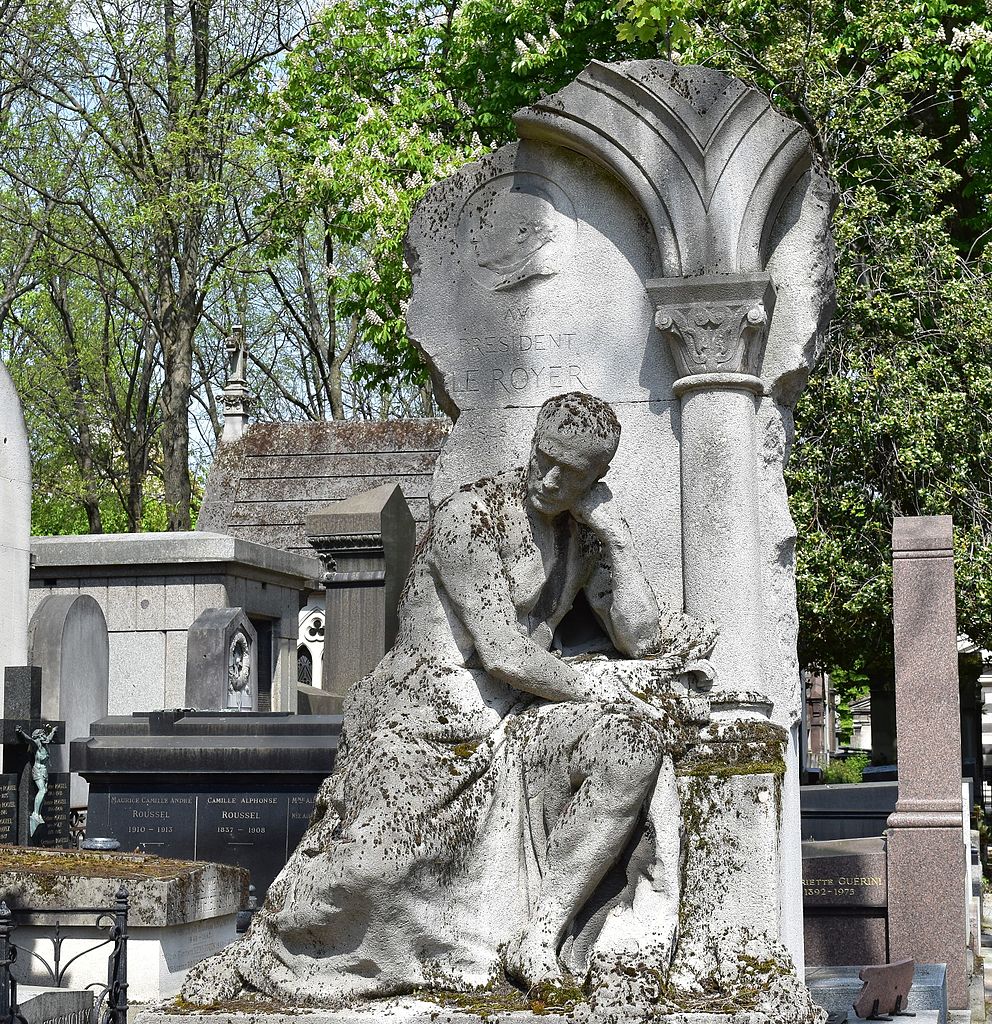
(927, 903)
(417, 1011)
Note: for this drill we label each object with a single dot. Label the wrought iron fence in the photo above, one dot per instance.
(110, 1000)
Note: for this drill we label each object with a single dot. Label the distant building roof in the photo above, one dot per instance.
(261, 487)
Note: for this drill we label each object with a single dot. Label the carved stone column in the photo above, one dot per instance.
(716, 326)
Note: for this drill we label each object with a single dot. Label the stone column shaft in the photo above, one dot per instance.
(719, 511)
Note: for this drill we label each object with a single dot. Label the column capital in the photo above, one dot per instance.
(715, 324)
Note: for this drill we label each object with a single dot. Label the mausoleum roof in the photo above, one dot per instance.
(261, 487)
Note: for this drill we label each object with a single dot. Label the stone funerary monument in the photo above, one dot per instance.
(562, 770)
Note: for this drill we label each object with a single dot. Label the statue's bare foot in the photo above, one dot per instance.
(531, 960)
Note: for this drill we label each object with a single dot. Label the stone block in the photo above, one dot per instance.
(175, 668)
(179, 601)
(178, 913)
(40, 1005)
(856, 811)
(137, 672)
(121, 610)
(222, 661)
(845, 896)
(149, 602)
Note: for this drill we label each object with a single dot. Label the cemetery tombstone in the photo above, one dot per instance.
(15, 529)
(649, 267)
(926, 855)
(222, 661)
(69, 643)
(659, 238)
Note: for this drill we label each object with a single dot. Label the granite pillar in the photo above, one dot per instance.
(925, 850)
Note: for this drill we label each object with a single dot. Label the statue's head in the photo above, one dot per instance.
(575, 438)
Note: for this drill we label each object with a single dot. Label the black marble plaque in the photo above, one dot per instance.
(8, 809)
(300, 809)
(54, 834)
(247, 829)
(159, 823)
(256, 829)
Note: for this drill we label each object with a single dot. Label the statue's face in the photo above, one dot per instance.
(563, 469)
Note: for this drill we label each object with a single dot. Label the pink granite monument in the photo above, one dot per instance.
(926, 855)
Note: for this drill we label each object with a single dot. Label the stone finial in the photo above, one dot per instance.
(235, 394)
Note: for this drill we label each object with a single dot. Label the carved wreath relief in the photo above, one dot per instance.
(239, 671)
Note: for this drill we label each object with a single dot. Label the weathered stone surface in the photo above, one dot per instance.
(697, 190)
(68, 642)
(222, 662)
(162, 892)
(15, 528)
(40, 1005)
(262, 487)
(179, 912)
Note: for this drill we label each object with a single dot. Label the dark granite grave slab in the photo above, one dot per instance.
(845, 899)
(54, 834)
(856, 811)
(234, 788)
(8, 809)
(255, 827)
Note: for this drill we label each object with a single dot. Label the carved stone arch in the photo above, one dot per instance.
(709, 159)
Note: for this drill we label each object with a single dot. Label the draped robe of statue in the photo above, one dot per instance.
(429, 841)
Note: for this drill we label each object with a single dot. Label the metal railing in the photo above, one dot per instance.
(110, 1001)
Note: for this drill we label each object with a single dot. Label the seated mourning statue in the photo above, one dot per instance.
(498, 808)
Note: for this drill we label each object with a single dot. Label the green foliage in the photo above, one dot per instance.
(846, 770)
(378, 102)
(849, 686)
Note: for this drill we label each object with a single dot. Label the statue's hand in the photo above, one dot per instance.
(597, 509)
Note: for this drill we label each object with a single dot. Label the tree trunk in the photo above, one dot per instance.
(177, 356)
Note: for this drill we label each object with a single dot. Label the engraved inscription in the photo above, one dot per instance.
(506, 344)
(54, 834)
(8, 809)
(515, 380)
(842, 885)
(152, 819)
